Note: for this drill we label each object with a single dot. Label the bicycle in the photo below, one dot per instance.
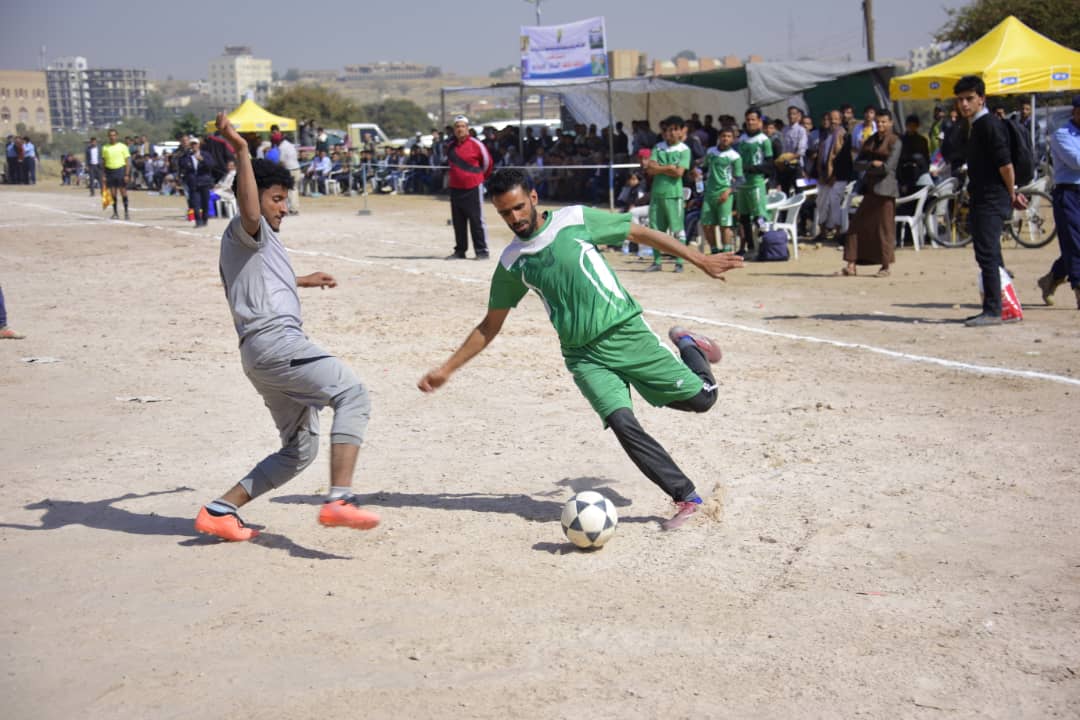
(947, 222)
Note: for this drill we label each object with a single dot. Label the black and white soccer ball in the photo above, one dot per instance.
(589, 519)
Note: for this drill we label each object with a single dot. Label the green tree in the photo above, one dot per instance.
(688, 54)
(326, 106)
(397, 117)
(1056, 19)
(187, 124)
(291, 75)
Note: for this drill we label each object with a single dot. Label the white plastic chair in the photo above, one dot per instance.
(785, 216)
(846, 206)
(226, 207)
(332, 187)
(915, 221)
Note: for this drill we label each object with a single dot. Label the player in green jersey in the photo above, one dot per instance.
(725, 171)
(605, 342)
(668, 163)
(756, 151)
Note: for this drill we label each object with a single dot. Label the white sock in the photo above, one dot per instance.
(339, 491)
(221, 507)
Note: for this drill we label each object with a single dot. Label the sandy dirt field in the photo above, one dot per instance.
(891, 527)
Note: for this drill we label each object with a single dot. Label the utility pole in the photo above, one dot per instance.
(868, 27)
(537, 4)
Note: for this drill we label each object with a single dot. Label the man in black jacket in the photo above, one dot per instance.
(992, 187)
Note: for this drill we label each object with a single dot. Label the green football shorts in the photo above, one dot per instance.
(750, 201)
(666, 215)
(630, 354)
(714, 212)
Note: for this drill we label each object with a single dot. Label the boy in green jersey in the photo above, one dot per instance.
(668, 163)
(605, 343)
(755, 148)
(724, 166)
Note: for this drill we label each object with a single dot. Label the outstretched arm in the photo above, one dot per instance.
(478, 339)
(714, 265)
(247, 193)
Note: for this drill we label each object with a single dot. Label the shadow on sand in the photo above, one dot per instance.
(524, 506)
(103, 515)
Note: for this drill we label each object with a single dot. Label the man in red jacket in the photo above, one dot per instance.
(470, 165)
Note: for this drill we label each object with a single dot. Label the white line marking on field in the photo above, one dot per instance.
(942, 362)
(953, 364)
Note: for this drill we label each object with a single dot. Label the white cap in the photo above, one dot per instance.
(461, 118)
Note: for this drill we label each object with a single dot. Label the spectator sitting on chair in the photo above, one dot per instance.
(316, 174)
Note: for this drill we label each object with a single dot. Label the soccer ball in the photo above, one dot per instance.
(589, 519)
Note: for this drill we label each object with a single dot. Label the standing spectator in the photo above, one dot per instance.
(29, 162)
(117, 161)
(938, 128)
(438, 160)
(622, 142)
(148, 171)
(724, 166)
(794, 143)
(872, 238)
(9, 171)
(755, 148)
(6, 333)
(470, 165)
(834, 171)
(197, 171)
(914, 156)
(1065, 154)
(847, 117)
(290, 159)
(667, 164)
(1026, 120)
(992, 186)
(18, 163)
(863, 129)
(307, 134)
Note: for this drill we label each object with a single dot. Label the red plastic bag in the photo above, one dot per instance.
(1010, 301)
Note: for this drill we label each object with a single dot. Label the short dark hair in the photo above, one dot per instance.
(506, 179)
(726, 129)
(884, 113)
(911, 119)
(753, 109)
(268, 174)
(675, 120)
(970, 82)
(846, 106)
(870, 107)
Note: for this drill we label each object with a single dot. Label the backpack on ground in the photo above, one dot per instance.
(1023, 158)
(773, 246)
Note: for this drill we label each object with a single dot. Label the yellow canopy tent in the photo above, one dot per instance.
(250, 117)
(1012, 59)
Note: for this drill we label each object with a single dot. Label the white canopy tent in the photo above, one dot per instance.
(772, 86)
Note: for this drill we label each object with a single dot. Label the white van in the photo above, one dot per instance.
(357, 131)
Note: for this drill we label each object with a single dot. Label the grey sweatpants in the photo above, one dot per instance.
(295, 388)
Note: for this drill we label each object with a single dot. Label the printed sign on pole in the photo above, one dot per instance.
(575, 52)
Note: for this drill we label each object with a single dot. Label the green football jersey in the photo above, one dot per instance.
(561, 264)
(754, 151)
(724, 167)
(664, 186)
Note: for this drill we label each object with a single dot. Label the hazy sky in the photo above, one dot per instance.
(463, 37)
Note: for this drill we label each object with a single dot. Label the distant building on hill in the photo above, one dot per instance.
(81, 97)
(238, 75)
(24, 98)
(391, 71)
